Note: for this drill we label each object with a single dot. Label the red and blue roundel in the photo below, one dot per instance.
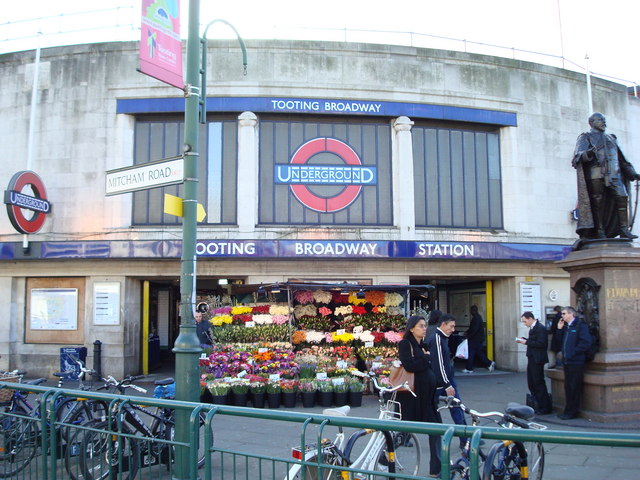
(299, 173)
(16, 201)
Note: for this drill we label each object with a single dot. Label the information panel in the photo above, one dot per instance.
(106, 303)
(54, 309)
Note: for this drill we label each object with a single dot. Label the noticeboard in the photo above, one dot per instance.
(106, 303)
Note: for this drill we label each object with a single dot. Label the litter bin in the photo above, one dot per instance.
(68, 364)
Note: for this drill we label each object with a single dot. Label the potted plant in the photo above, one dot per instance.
(356, 389)
(341, 392)
(325, 393)
(219, 391)
(258, 391)
(273, 394)
(289, 392)
(240, 389)
(308, 389)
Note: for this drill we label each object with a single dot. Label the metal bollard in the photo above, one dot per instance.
(97, 359)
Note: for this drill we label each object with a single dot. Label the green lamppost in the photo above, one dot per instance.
(187, 347)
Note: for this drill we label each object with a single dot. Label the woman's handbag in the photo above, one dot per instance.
(399, 375)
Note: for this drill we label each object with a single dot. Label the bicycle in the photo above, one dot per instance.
(385, 451)
(119, 446)
(507, 459)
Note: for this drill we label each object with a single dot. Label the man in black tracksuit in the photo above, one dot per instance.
(575, 340)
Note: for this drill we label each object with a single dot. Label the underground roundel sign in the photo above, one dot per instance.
(325, 174)
(17, 202)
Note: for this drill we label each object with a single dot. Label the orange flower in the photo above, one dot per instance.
(298, 337)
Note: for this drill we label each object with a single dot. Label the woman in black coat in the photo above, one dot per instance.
(423, 407)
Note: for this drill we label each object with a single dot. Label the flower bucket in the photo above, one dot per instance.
(273, 400)
(340, 398)
(240, 399)
(355, 399)
(308, 399)
(219, 399)
(289, 399)
(205, 396)
(258, 399)
(325, 399)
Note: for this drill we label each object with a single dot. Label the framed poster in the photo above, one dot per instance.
(530, 300)
(54, 309)
(106, 303)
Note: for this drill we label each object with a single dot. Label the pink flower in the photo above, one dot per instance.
(324, 311)
(328, 337)
(393, 337)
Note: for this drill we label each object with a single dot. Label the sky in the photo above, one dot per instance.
(572, 29)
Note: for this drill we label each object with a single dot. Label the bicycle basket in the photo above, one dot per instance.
(392, 410)
(7, 393)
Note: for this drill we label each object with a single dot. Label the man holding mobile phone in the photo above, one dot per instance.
(536, 358)
(574, 337)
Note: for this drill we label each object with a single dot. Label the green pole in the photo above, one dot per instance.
(187, 347)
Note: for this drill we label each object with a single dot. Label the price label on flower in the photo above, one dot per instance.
(341, 364)
(274, 377)
(376, 365)
(242, 373)
(341, 331)
(337, 381)
(368, 344)
(262, 350)
(321, 376)
(358, 329)
(249, 324)
(228, 379)
(203, 356)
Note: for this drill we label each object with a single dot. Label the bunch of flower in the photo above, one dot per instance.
(344, 310)
(303, 296)
(328, 337)
(374, 297)
(393, 299)
(260, 357)
(220, 320)
(358, 310)
(263, 319)
(298, 337)
(324, 311)
(289, 386)
(392, 337)
(259, 333)
(240, 386)
(218, 387)
(240, 310)
(242, 318)
(273, 387)
(395, 311)
(307, 370)
(280, 319)
(339, 297)
(364, 336)
(279, 310)
(397, 322)
(379, 309)
(335, 372)
(377, 351)
(325, 385)
(315, 323)
(258, 386)
(222, 311)
(355, 384)
(330, 352)
(353, 299)
(260, 309)
(377, 337)
(321, 296)
(342, 338)
(314, 337)
(341, 352)
(305, 310)
(308, 386)
(341, 387)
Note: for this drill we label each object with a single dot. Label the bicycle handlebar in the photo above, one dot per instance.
(382, 389)
(505, 417)
(121, 385)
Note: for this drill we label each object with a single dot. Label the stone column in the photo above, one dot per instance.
(247, 172)
(403, 200)
(612, 380)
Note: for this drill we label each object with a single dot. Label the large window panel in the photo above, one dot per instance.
(159, 138)
(457, 177)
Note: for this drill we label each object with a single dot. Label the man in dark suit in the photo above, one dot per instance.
(536, 343)
(575, 339)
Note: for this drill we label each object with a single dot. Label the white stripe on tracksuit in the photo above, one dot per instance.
(440, 359)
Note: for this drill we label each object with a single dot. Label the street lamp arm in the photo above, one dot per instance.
(203, 64)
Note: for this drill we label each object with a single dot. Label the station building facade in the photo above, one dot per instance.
(326, 162)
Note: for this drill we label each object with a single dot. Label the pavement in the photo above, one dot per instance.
(483, 391)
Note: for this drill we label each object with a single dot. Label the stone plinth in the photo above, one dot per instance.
(612, 380)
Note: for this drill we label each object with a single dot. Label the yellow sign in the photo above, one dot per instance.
(173, 206)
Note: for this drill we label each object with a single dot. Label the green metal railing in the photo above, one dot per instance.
(245, 456)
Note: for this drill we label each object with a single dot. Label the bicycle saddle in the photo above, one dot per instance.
(520, 411)
(37, 381)
(338, 411)
(164, 381)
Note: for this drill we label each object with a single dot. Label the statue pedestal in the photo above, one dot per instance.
(612, 380)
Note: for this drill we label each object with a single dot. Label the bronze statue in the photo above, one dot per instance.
(604, 175)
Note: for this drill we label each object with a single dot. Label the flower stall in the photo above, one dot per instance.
(305, 340)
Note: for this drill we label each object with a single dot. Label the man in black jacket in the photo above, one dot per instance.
(575, 340)
(536, 358)
(475, 339)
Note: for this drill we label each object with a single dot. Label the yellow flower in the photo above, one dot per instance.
(220, 320)
(239, 310)
(344, 338)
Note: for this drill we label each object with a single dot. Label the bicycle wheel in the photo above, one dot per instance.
(504, 462)
(84, 413)
(168, 454)
(19, 440)
(79, 412)
(407, 455)
(535, 459)
(108, 454)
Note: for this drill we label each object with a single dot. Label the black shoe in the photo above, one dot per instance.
(543, 412)
(566, 416)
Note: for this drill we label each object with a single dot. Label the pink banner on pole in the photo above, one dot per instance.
(160, 45)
